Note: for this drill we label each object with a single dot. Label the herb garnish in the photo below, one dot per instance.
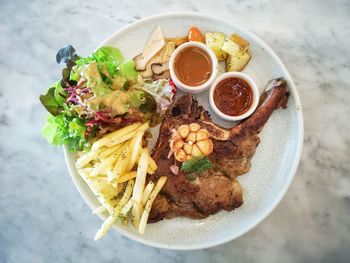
(196, 165)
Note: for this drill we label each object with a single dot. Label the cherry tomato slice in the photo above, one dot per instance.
(194, 34)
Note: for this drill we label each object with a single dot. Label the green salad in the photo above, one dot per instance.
(99, 94)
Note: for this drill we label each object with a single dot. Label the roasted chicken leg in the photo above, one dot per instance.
(217, 188)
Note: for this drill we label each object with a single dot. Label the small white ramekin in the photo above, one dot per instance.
(251, 83)
(205, 85)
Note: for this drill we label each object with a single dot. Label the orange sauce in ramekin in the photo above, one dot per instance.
(193, 66)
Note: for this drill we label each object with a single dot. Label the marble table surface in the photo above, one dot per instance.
(42, 216)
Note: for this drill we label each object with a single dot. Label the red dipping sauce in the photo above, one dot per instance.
(233, 96)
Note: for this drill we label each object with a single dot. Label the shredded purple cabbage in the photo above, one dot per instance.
(74, 97)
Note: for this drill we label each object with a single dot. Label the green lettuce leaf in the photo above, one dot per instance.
(111, 59)
(150, 105)
(105, 57)
(62, 129)
(50, 103)
(76, 128)
(76, 131)
(94, 79)
(127, 69)
(105, 73)
(103, 70)
(51, 132)
(60, 94)
(137, 98)
(110, 54)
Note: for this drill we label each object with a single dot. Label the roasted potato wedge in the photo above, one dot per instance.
(237, 50)
(240, 41)
(237, 63)
(215, 40)
(169, 49)
(234, 45)
(178, 40)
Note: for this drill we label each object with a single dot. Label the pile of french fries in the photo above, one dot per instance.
(115, 170)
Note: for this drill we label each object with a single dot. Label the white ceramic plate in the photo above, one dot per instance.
(273, 165)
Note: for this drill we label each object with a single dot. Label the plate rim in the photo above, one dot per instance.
(292, 88)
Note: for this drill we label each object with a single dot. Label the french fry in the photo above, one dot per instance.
(85, 159)
(114, 136)
(128, 136)
(139, 186)
(126, 177)
(135, 146)
(147, 192)
(152, 163)
(124, 220)
(87, 170)
(127, 207)
(120, 165)
(149, 170)
(141, 176)
(99, 210)
(89, 165)
(108, 163)
(126, 162)
(108, 223)
(121, 139)
(136, 213)
(105, 153)
(148, 206)
(104, 192)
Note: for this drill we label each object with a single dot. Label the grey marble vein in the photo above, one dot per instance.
(42, 216)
